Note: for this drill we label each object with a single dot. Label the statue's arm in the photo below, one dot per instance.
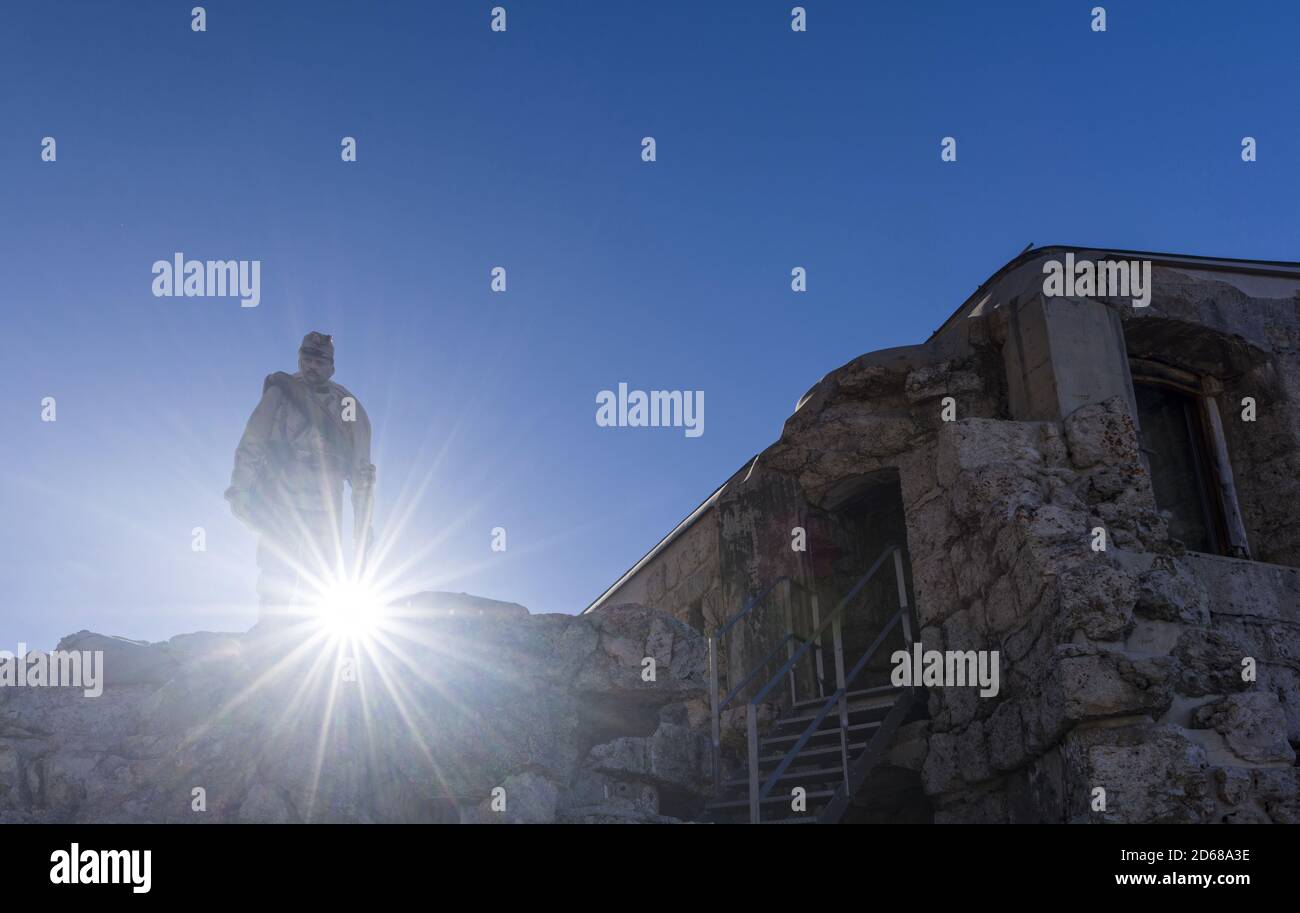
(253, 444)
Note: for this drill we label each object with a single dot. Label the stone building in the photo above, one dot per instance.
(1104, 493)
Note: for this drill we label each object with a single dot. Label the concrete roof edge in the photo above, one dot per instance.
(1226, 264)
(690, 520)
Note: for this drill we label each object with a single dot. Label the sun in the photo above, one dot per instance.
(349, 610)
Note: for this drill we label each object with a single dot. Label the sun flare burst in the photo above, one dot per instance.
(349, 610)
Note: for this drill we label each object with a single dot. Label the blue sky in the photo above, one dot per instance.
(522, 149)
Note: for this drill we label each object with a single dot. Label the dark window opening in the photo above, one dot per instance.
(1174, 439)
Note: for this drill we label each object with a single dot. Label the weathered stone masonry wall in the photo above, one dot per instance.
(1115, 672)
(1121, 670)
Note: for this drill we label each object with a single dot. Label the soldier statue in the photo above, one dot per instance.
(306, 436)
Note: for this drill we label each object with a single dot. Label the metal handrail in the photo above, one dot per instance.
(862, 660)
(826, 707)
(759, 792)
(757, 668)
(798, 654)
(871, 754)
(749, 606)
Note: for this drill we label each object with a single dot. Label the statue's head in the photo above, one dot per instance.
(316, 358)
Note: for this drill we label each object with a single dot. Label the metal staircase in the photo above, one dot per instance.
(825, 745)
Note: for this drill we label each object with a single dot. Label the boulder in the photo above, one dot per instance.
(1252, 724)
(675, 756)
(1149, 774)
(1096, 684)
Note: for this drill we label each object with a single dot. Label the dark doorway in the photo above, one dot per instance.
(861, 519)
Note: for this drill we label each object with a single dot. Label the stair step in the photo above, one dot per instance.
(770, 800)
(835, 730)
(809, 753)
(865, 692)
(860, 705)
(802, 774)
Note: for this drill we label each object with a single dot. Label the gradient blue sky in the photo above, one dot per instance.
(522, 149)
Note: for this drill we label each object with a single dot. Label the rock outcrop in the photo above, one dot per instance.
(495, 717)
